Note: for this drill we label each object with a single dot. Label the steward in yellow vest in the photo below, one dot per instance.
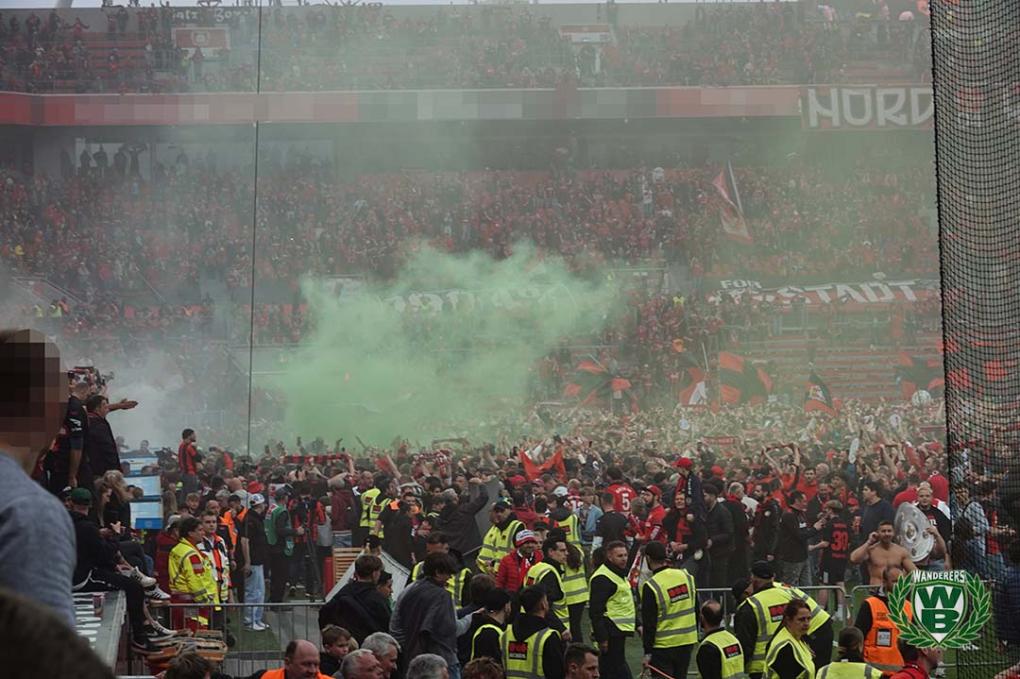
(612, 610)
(457, 584)
(486, 632)
(851, 663)
(719, 656)
(499, 539)
(788, 654)
(563, 517)
(549, 574)
(532, 649)
(759, 616)
(668, 614)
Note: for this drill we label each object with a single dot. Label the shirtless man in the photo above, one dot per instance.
(881, 552)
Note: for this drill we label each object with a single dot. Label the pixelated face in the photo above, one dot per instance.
(802, 621)
(589, 669)
(209, 525)
(617, 557)
(304, 664)
(885, 533)
(34, 397)
(924, 496)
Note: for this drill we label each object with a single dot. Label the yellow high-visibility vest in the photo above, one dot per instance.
(801, 651)
(536, 574)
(572, 527)
(522, 658)
(368, 512)
(455, 585)
(620, 607)
(495, 545)
(731, 655)
(474, 637)
(575, 585)
(675, 597)
(848, 670)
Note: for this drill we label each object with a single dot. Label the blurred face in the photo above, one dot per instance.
(680, 501)
(368, 668)
(195, 536)
(824, 489)
(386, 589)
(617, 557)
(890, 578)
(499, 515)
(648, 497)
(527, 549)
(387, 661)
(213, 506)
(209, 525)
(559, 553)
(338, 649)
(800, 623)
(924, 496)
(710, 499)
(885, 533)
(867, 494)
(809, 475)
(589, 669)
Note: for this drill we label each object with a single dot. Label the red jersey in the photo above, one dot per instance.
(623, 495)
(651, 527)
(939, 486)
(187, 458)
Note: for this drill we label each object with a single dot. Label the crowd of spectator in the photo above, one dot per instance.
(335, 47)
(309, 221)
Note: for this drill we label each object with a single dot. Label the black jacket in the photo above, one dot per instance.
(489, 643)
(93, 551)
(740, 532)
(397, 540)
(719, 524)
(328, 665)
(552, 654)
(766, 528)
(794, 533)
(102, 446)
(459, 524)
(358, 607)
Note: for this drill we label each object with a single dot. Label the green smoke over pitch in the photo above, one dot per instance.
(392, 361)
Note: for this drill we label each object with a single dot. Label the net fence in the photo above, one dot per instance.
(976, 67)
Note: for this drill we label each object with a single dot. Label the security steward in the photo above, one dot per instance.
(191, 577)
(457, 585)
(668, 614)
(719, 656)
(499, 539)
(532, 649)
(300, 661)
(575, 589)
(788, 655)
(487, 635)
(563, 517)
(850, 664)
(759, 616)
(372, 502)
(549, 574)
(881, 649)
(612, 611)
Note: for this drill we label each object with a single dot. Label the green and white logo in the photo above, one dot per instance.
(950, 608)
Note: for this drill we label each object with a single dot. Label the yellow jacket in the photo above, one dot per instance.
(191, 575)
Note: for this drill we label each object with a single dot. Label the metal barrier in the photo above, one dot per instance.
(254, 650)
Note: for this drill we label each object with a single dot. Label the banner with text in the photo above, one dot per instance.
(850, 296)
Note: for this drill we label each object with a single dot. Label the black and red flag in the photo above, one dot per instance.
(732, 213)
(817, 397)
(914, 373)
(593, 381)
(740, 381)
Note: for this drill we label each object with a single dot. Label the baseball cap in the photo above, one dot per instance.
(524, 537)
(239, 495)
(501, 505)
(257, 499)
(172, 521)
(652, 488)
(684, 463)
(80, 496)
(561, 491)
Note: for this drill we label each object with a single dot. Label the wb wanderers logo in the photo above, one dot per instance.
(950, 608)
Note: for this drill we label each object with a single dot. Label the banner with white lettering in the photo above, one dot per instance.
(867, 108)
(848, 295)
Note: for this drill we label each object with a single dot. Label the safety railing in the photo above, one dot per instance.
(249, 646)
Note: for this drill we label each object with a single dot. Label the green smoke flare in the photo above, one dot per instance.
(454, 339)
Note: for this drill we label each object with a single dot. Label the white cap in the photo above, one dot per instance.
(257, 499)
(561, 491)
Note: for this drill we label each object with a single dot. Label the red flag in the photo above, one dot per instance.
(534, 471)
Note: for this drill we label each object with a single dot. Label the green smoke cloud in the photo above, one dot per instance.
(452, 339)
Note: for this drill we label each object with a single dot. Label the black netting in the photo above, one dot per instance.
(976, 70)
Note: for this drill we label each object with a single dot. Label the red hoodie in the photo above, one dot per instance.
(527, 516)
(161, 565)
